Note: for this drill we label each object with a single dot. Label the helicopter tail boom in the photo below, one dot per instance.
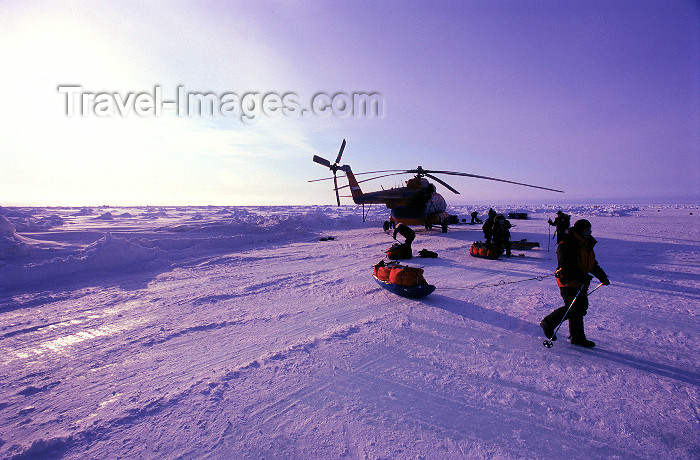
(355, 189)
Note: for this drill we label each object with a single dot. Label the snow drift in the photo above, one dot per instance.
(244, 332)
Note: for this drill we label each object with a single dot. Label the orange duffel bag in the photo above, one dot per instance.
(399, 251)
(407, 276)
(381, 271)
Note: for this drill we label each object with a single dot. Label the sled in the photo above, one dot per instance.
(413, 292)
(485, 251)
(402, 280)
(524, 244)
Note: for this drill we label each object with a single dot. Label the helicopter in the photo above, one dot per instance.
(417, 203)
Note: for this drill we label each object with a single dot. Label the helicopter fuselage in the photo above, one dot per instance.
(431, 212)
(415, 204)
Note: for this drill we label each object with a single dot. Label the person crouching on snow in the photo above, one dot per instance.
(407, 233)
(576, 260)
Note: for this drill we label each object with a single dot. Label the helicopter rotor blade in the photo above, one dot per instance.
(373, 178)
(397, 171)
(430, 172)
(454, 173)
(379, 177)
(340, 153)
(443, 183)
(335, 181)
(322, 161)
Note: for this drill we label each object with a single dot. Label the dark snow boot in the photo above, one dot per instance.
(576, 329)
(578, 337)
(548, 330)
(582, 342)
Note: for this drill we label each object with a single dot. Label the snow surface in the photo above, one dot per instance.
(237, 333)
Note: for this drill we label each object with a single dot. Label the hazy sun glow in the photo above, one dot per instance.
(505, 96)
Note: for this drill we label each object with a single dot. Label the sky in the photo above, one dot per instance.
(600, 99)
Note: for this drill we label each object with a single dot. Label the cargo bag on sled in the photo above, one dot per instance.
(486, 251)
(399, 251)
(402, 280)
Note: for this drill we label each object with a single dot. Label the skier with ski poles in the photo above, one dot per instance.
(576, 260)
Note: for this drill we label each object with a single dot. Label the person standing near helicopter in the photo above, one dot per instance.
(488, 226)
(501, 233)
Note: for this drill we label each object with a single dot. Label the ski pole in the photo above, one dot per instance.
(595, 288)
(549, 235)
(548, 343)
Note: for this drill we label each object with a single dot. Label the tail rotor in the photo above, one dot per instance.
(333, 167)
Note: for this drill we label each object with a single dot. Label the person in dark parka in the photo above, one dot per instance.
(576, 260)
(561, 222)
(488, 226)
(501, 233)
(406, 232)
